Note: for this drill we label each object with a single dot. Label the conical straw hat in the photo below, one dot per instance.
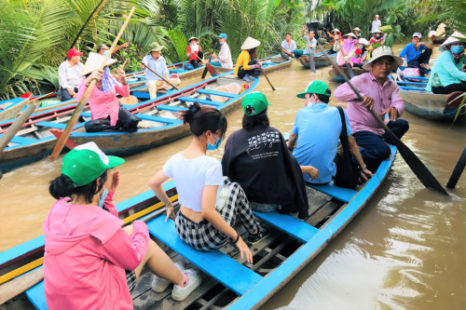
(380, 52)
(452, 39)
(350, 35)
(250, 43)
(94, 61)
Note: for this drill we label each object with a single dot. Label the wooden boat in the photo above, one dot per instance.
(336, 77)
(10, 109)
(436, 40)
(291, 245)
(426, 104)
(319, 60)
(37, 138)
(269, 64)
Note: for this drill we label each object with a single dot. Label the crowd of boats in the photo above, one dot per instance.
(231, 282)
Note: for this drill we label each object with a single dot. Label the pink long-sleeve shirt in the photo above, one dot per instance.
(104, 104)
(385, 96)
(86, 254)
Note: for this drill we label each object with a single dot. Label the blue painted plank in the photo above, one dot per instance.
(223, 268)
(159, 119)
(36, 295)
(201, 101)
(86, 114)
(420, 89)
(21, 249)
(342, 194)
(164, 107)
(128, 203)
(290, 225)
(52, 125)
(302, 256)
(217, 93)
(22, 140)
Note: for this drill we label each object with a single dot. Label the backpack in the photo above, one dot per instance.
(347, 169)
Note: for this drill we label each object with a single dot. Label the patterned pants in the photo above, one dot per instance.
(203, 236)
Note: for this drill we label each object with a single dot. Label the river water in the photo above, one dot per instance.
(405, 250)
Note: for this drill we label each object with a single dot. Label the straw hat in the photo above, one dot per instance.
(250, 43)
(378, 31)
(335, 30)
(94, 61)
(357, 28)
(380, 52)
(364, 41)
(192, 38)
(452, 39)
(350, 35)
(155, 47)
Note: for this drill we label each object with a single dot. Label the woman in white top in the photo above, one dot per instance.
(209, 203)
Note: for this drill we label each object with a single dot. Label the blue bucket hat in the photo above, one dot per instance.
(223, 36)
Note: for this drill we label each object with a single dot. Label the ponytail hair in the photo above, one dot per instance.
(201, 119)
(63, 187)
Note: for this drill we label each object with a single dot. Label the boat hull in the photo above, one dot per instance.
(430, 106)
(273, 63)
(319, 61)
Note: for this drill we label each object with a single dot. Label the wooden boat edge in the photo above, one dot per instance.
(265, 289)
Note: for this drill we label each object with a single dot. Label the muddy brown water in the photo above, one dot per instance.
(405, 250)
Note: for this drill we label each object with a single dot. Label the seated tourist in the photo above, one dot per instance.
(157, 63)
(446, 76)
(288, 47)
(251, 152)
(357, 32)
(247, 65)
(348, 49)
(383, 96)
(90, 261)
(70, 74)
(194, 52)
(210, 203)
(335, 34)
(107, 112)
(418, 54)
(315, 134)
(377, 40)
(224, 56)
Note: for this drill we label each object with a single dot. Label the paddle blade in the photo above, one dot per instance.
(312, 64)
(350, 70)
(205, 72)
(419, 169)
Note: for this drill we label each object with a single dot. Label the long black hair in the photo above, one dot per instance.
(63, 187)
(201, 119)
(260, 119)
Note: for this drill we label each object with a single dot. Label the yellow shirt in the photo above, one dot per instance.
(243, 60)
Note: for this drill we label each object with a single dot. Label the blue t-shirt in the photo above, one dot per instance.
(318, 127)
(411, 53)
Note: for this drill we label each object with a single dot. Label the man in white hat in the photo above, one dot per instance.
(194, 52)
(383, 96)
(247, 65)
(157, 63)
(376, 24)
(446, 76)
(418, 53)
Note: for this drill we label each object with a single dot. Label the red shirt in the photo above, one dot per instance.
(193, 54)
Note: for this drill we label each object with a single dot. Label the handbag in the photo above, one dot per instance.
(347, 170)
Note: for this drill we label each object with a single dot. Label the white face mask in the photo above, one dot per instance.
(309, 103)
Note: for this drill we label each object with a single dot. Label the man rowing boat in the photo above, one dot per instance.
(224, 56)
(69, 74)
(380, 94)
(157, 63)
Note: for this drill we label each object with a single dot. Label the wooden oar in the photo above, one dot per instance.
(455, 176)
(416, 165)
(207, 68)
(160, 77)
(74, 118)
(18, 124)
(267, 78)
